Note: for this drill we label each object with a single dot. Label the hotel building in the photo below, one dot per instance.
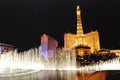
(4, 48)
(84, 43)
(48, 46)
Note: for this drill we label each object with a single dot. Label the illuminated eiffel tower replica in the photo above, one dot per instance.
(84, 43)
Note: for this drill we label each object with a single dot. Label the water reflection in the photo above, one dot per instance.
(48, 75)
(96, 76)
(66, 75)
(104, 75)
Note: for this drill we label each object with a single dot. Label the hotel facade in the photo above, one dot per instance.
(80, 40)
(4, 48)
(48, 46)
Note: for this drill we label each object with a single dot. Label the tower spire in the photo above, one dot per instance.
(79, 22)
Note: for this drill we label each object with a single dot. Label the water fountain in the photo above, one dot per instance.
(30, 61)
(14, 63)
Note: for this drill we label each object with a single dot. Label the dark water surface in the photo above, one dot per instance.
(66, 75)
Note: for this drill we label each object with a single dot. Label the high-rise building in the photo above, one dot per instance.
(4, 48)
(88, 41)
(48, 46)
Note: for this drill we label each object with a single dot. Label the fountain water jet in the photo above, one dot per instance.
(30, 61)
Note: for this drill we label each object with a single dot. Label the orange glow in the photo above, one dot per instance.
(90, 39)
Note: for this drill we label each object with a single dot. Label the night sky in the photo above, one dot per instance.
(22, 22)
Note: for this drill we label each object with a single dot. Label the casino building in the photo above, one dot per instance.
(48, 46)
(4, 48)
(84, 43)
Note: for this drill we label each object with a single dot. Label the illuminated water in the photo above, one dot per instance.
(14, 63)
(48, 75)
(66, 75)
(31, 64)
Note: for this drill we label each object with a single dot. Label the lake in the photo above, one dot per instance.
(66, 75)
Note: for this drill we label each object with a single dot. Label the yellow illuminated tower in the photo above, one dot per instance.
(81, 40)
(79, 22)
